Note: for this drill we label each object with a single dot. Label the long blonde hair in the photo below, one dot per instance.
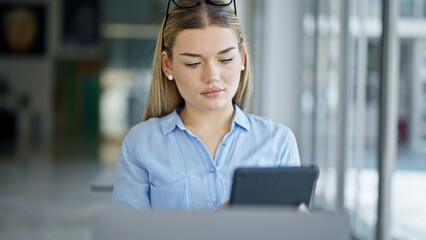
(164, 96)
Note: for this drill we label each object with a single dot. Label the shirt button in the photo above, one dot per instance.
(224, 143)
(216, 204)
(211, 170)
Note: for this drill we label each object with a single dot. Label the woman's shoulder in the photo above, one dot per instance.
(147, 126)
(145, 131)
(266, 125)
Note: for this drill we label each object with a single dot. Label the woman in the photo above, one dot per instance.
(194, 133)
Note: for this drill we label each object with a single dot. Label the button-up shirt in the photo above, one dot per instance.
(164, 165)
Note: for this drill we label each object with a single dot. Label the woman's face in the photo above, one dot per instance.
(206, 67)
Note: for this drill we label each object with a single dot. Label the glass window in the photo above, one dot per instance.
(424, 8)
(320, 95)
(320, 105)
(407, 8)
(408, 209)
(373, 9)
(319, 116)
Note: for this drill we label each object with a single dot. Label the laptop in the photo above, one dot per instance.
(245, 223)
(287, 186)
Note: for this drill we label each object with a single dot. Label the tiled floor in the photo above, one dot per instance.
(408, 195)
(43, 200)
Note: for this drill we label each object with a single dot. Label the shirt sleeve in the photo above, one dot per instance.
(131, 186)
(290, 156)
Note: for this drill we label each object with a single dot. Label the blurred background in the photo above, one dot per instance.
(75, 74)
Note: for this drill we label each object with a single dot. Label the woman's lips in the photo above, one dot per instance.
(212, 92)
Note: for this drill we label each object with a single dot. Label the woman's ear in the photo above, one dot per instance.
(166, 65)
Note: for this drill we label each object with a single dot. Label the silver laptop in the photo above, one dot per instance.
(235, 223)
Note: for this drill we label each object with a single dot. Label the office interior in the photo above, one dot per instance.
(347, 76)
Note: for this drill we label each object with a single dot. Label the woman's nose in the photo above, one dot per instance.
(211, 72)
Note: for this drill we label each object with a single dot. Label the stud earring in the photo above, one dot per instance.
(243, 68)
(170, 77)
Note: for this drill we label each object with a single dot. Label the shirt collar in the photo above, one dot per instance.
(169, 122)
(240, 118)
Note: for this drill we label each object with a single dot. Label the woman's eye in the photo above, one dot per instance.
(192, 65)
(227, 60)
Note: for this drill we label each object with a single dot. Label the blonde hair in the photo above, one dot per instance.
(164, 96)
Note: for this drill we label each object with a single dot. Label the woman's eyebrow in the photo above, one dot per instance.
(191, 55)
(200, 56)
(226, 50)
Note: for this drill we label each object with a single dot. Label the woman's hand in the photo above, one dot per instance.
(225, 205)
(303, 208)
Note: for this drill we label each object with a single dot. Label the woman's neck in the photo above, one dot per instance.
(195, 118)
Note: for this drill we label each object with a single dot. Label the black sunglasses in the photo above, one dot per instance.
(195, 3)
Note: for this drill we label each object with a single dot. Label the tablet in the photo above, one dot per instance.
(274, 186)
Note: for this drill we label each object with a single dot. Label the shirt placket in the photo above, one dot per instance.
(215, 182)
(219, 159)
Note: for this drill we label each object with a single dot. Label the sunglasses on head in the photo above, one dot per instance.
(194, 3)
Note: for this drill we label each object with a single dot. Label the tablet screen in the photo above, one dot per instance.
(274, 186)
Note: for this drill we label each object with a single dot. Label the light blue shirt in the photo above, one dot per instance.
(163, 165)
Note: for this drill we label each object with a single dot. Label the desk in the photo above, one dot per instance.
(104, 181)
(231, 223)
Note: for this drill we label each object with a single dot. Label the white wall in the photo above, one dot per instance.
(278, 61)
